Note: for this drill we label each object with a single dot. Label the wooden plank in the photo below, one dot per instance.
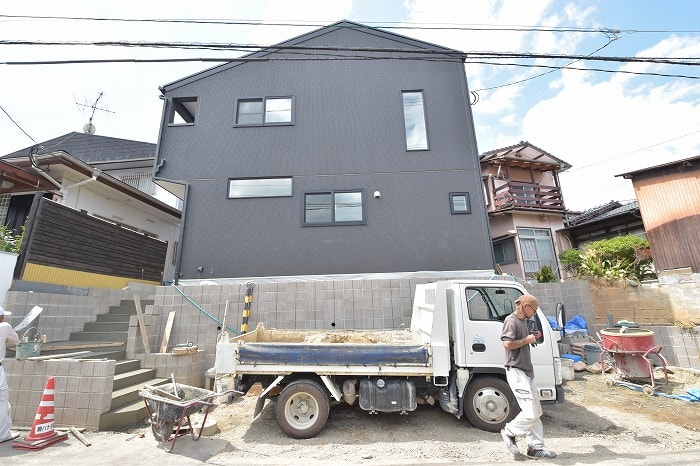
(142, 325)
(72, 346)
(58, 356)
(166, 335)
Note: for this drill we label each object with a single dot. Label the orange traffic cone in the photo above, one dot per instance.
(42, 434)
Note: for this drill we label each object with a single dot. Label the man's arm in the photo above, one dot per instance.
(12, 336)
(515, 344)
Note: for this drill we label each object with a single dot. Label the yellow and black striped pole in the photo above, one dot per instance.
(246, 306)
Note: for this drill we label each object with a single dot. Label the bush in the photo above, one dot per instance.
(9, 242)
(571, 260)
(620, 257)
(545, 274)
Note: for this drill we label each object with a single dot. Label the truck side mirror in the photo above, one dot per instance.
(561, 317)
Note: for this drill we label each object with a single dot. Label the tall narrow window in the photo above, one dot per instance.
(414, 120)
(183, 111)
(334, 208)
(263, 111)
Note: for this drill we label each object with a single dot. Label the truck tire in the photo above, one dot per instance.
(302, 409)
(489, 403)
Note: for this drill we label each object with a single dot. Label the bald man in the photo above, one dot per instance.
(516, 338)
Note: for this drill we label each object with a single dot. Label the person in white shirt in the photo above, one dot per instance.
(7, 336)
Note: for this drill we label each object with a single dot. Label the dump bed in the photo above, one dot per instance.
(398, 352)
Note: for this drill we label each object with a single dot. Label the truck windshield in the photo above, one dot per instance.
(491, 303)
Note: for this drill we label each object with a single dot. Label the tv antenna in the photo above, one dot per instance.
(89, 128)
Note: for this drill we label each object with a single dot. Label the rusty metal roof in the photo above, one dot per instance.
(526, 155)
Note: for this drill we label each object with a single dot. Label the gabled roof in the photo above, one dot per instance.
(407, 45)
(91, 148)
(682, 163)
(524, 154)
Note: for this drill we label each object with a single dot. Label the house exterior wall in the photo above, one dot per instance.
(669, 202)
(348, 133)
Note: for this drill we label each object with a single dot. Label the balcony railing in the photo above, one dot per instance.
(518, 195)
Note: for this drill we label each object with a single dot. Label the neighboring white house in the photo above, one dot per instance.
(108, 178)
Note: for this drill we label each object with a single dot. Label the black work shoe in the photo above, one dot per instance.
(542, 453)
(509, 440)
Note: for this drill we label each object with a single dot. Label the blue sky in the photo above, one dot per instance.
(603, 124)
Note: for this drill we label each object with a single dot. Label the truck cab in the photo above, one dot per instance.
(475, 314)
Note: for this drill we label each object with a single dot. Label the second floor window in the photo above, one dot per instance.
(263, 111)
(259, 187)
(414, 121)
(334, 208)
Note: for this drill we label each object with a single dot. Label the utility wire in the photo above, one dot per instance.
(611, 37)
(363, 25)
(17, 124)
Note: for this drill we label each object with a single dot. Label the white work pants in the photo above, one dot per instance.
(5, 419)
(527, 423)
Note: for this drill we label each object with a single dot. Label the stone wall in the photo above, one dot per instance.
(671, 309)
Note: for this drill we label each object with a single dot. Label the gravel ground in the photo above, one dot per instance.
(598, 424)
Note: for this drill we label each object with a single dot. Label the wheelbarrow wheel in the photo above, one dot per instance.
(162, 430)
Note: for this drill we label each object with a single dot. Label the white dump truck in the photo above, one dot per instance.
(451, 355)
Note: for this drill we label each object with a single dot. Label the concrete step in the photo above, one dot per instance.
(123, 318)
(98, 349)
(98, 336)
(130, 394)
(129, 307)
(126, 365)
(106, 327)
(136, 377)
(127, 415)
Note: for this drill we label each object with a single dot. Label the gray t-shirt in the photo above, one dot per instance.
(516, 329)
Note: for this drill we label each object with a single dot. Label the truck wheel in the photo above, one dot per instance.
(489, 403)
(302, 409)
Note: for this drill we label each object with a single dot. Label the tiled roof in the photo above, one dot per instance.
(610, 210)
(91, 148)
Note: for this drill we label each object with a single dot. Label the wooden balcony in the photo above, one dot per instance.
(519, 195)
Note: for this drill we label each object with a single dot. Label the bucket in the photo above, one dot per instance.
(27, 349)
(567, 369)
(592, 353)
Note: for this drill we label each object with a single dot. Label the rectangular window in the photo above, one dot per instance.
(459, 203)
(259, 187)
(263, 111)
(414, 120)
(504, 251)
(334, 208)
(537, 249)
(183, 111)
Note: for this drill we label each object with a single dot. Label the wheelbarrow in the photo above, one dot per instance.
(168, 405)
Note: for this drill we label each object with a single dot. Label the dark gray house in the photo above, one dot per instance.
(345, 150)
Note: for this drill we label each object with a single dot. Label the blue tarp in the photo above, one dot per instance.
(575, 324)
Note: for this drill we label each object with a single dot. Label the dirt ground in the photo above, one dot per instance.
(598, 422)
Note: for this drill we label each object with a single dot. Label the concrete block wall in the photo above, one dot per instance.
(670, 309)
(83, 390)
(379, 301)
(69, 310)
(188, 369)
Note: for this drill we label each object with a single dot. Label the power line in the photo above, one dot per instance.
(17, 124)
(683, 61)
(365, 25)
